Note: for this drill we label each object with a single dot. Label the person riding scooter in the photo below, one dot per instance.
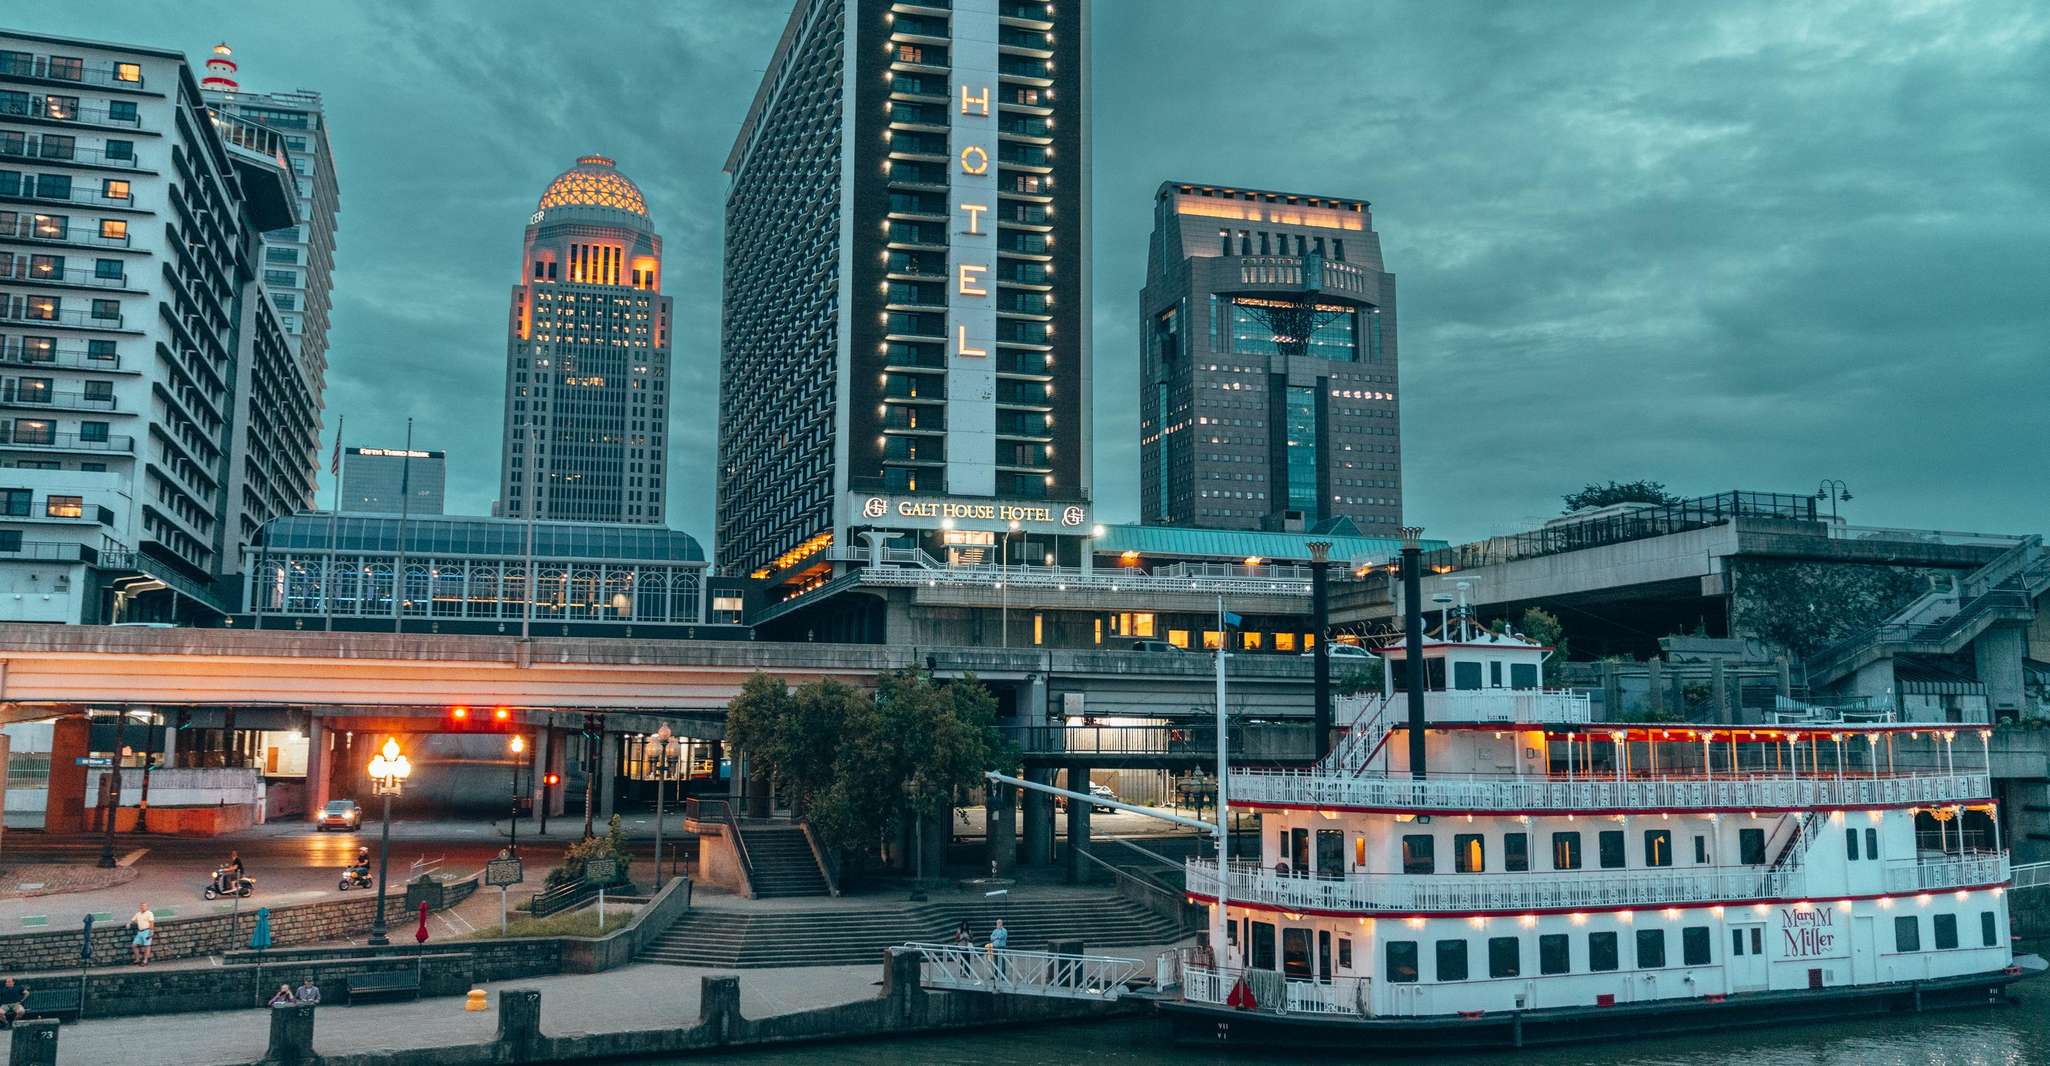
(357, 875)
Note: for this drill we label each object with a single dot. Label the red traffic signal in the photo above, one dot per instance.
(501, 714)
(460, 714)
(552, 780)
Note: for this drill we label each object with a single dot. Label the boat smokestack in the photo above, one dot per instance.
(1413, 644)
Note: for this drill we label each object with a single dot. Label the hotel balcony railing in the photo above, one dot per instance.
(25, 269)
(59, 108)
(44, 150)
(1065, 579)
(70, 442)
(67, 193)
(103, 74)
(21, 311)
(13, 351)
(27, 229)
(1562, 890)
(1343, 789)
(73, 399)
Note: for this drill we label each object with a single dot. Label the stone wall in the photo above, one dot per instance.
(180, 938)
(181, 990)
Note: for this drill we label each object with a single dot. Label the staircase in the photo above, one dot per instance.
(1362, 740)
(849, 935)
(2003, 591)
(780, 862)
(1792, 854)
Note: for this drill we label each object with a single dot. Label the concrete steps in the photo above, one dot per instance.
(782, 862)
(739, 939)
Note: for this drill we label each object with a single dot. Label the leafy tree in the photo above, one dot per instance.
(1543, 627)
(1593, 495)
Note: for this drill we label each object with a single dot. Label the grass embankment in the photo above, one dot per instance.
(582, 922)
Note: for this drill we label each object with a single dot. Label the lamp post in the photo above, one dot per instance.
(664, 740)
(388, 772)
(1004, 581)
(112, 784)
(1835, 492)
(519, 747)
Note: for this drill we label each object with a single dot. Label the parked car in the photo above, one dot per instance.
(1102, 792)
(1154, 645)
(339, 814)
(1343, 651)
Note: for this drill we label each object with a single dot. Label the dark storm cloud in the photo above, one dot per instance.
(1719, 245)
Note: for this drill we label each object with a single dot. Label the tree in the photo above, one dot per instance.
(1543, 626)
(1593, 495)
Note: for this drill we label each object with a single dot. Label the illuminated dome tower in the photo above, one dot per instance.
(220, 70)
(587, 362)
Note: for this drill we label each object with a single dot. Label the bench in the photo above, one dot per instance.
(401, 984)
(58, 1003)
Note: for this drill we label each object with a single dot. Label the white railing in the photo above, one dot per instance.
(1075, 579)
(2031, 875)
(1362, 736)
(1502, 705)
(1959, 871)
(1325, 789)
(1410, 893)
(1028, 973)
(1273, 993)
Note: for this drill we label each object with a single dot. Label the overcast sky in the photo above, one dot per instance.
(1717, 245)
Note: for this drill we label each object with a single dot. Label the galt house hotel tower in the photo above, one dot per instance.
(1268, 364)
(906, 319)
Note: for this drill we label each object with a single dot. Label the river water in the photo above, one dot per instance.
(1979, 1036)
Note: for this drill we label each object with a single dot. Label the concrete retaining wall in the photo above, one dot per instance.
(181, 990)
(182, 938)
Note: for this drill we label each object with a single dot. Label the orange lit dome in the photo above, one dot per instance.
(593, 189)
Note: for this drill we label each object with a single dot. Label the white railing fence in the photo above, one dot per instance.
(1316, 788)
(969, 968)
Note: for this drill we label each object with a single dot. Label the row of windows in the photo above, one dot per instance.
(16, 503)
(1279, 245)
(64, 147)
(1469, 850)
(58, 186)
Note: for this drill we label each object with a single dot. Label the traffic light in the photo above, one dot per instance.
(501, 715)
(551, 780)
(459, 714)
(463, 718)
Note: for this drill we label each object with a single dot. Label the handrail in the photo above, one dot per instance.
(1033, 973)
(721, 811)
(829, 863)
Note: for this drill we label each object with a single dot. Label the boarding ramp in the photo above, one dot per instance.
(2031, 875)
(1048, 974)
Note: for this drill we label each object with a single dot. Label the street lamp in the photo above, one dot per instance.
(664, 740)
(1004, 581)
(388, 772)
(519, 746)
(1835, 492)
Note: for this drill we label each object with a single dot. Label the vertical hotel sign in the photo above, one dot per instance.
(972, 253)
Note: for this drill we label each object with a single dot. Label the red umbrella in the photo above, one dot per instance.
(420, 934)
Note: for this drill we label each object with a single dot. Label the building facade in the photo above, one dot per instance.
(394, 481)
(129, 327)
(1268, 368)
(587, 366)
(905, 343)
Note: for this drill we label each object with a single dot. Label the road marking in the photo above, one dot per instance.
(28, 920)
(103, 916)
(165, 912)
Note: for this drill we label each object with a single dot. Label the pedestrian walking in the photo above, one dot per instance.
(999, 941)
(143, 923)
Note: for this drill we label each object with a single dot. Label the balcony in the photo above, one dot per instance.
(13, 351)
(1456, 794)
(57, 108)
(26, 269)
(102, 75)
(22, 311)
(69, 442)
(52, 552)
(44, 150)
(49, 232)
(64, 399)
(62, 190)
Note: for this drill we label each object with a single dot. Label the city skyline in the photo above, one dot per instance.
(1730, 246)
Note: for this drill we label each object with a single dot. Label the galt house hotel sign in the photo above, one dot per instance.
(933, 512)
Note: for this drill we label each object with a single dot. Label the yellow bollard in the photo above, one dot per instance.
(475, 1001)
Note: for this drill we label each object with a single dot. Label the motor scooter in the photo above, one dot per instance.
(227, 883)
(355, 877)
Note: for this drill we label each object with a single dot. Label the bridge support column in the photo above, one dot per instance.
(1000, 828)
(1078, 824)
(1654, 687)
(1038, 819)
(608, 776)
(317, 763)
(64, 801)
(1997, 654)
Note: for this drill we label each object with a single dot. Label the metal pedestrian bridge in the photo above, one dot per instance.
(967, 968)
(2031, 875)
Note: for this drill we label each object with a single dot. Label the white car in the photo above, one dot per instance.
(1343, 651)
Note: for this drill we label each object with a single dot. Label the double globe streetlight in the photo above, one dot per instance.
(389, 769)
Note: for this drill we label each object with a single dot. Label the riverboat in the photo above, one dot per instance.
(1517, 874)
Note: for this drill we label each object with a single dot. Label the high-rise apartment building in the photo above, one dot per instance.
(587, 365)
(906, 344)
(1268, 372)
(394, 481)
(130, 327)
(275, 430)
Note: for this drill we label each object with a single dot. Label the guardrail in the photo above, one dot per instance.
(1500, 705)
(1987, 868)
(1315, 789)
(1271, 992)
(968, 968)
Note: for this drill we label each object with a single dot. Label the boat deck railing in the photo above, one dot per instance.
(1312, 788)
(970, 968)
(1273, 992)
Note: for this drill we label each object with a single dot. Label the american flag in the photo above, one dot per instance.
(334, 465)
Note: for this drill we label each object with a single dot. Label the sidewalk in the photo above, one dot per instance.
(632, 997)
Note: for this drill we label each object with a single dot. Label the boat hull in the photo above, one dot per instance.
(1206, 1025)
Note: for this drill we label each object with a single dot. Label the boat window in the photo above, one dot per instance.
(1658, 847)
(1851, 844)
(1700, 850)
(1495, 674)
(1736, 942)
(1609, 843)
(1907, 933)
(1871, 843)
(1601, 951)
(1651, 949)
(1402, 961)
(1469, 853)
(1565, 851)
(1555, 953)
(1330, 853)
(1523, 675)
(1451, 960)
(1418, 854)
(1263, 945)
(1345, 953)
(1751, 847)
(1694, 945)
(1989, 928)
(1299, 851)
(1466, 675)
(1359, 849)
(1946, 931)
(1505, 956)
(1516, 852)
(1295, 953)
